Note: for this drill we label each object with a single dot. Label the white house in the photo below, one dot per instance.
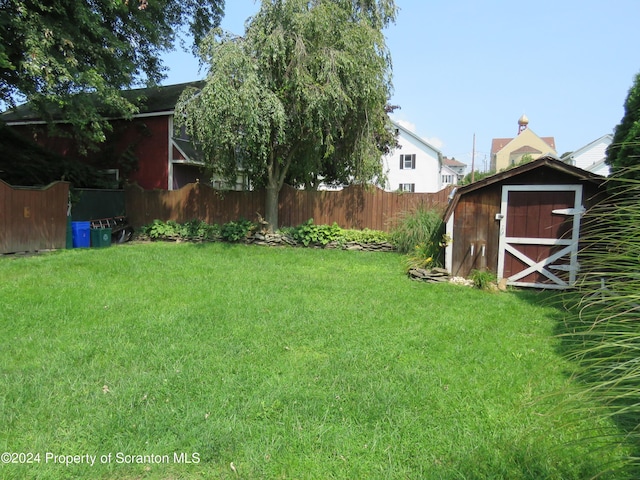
(591, 157)
(416, 165)
(459, 168)
(448, 176)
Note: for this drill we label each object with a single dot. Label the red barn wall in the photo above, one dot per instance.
(146, 138)
(149, 140)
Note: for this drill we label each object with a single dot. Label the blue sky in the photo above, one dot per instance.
(464, 67)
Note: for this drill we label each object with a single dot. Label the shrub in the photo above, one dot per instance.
(199, 230)
(159, 229)
(191, 230)
(236, 231)
(364, 236)
(310, 234)
(306, 234)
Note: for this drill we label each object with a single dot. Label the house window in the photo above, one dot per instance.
(408, 162)
(407, 187)
(447, 179)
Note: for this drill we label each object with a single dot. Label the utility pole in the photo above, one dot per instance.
(473, 159)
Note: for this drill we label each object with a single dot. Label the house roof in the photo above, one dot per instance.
(526, 149)
(545, 161)
(452, 162)
(608, 138)
(187, 149)
(161, 98)
(416, 137)
(149, 100)
(446, 170)
(498, 144)
(598, 165)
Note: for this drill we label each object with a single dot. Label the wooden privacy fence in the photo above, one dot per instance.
(355, 207)
(33, 219)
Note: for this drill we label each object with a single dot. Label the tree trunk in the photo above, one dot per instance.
(271, 207)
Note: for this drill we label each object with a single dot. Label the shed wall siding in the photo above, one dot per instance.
(475, 227)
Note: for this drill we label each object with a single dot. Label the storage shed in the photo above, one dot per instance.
(522, 224)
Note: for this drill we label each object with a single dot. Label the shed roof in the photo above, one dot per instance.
(547, 161)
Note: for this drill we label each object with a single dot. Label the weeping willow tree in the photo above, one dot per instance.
(603, 329)
(301, 96)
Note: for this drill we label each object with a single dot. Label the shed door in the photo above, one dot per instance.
(539, 233)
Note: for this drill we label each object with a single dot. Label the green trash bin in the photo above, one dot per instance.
(100, 237)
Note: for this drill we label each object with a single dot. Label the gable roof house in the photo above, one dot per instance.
(415, 165)
(592, 156)
(457, 167)
(144, 150)
(506, 152)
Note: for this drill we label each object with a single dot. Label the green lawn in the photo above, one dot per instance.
(283, 363)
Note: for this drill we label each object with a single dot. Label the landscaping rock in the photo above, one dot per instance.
(461, 281)
(278, 239)
(433, 275)
(369, 247)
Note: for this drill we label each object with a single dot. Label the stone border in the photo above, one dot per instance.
(277, 239)
(280, 240)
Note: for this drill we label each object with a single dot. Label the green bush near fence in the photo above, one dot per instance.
(418, 234)
(236, 231)
(310, 234)
(307, 234)
(193, 230)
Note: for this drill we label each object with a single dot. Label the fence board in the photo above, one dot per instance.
(355, 207)
(33, 219)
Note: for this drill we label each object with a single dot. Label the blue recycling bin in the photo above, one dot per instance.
(81, 234)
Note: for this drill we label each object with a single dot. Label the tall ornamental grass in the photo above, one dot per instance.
(420, 234)
(602, 330)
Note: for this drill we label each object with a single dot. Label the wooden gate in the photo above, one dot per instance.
(539, 233)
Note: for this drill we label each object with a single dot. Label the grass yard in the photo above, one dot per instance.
(242, 362)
